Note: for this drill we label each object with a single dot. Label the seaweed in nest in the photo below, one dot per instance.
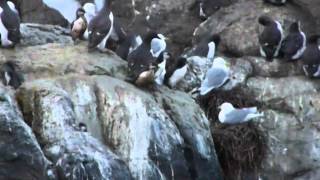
(241, 148)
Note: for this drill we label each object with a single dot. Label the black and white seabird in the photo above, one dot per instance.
(271, 37)
(130, 43)
(100, 28)
(10, 74)
(294, 44)
(275, 2)
(311, 57)
(163, 60)
(176, 69)
(79, 25)
(207, 47)
(9, 24)
(142, 63)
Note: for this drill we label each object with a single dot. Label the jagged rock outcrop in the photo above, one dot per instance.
(132, 133)
(35, 11)
(35, 34)
(21, 155)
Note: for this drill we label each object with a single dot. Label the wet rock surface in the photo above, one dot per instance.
(21, 154)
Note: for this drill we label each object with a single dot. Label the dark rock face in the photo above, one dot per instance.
(21, 155)
(35, 11)
(311, 6)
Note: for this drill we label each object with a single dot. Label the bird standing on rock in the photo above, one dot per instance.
(230, 115)
(175, 71)
(162, 62)
(311, 57)
(9, 24)
(142, 63)
(79, 27)
(271, 38)
(215, 77)
(11, 75)
(130, 43)
(100, 28)
(294, 44)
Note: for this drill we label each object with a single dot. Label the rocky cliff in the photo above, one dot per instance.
(134, 133)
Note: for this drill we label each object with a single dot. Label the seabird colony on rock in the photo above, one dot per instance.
(150, 62)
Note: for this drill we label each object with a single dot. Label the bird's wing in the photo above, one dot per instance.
(215, 77)
(270, 37)
(291, 44)
(238, 115)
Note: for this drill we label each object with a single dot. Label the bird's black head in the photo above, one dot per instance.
(265, 20)
(97, 31)
(294, 27)
(216, 39)
(80, 12)
(151, 35)
(181, 62)
(83, 127)
(163, 56)
(313, 39)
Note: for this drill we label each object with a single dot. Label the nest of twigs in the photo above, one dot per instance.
(240, 148)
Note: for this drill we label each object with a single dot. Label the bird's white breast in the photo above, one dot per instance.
(178, 75)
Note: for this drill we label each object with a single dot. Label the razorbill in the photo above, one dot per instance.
(11, 75)
(215, 77)
(275, 2)
(9, 24)
(162, 64)
(100, 28)
(294, 44)
(158, 45)
(176, 69)
(130, 43)
(207, 47)
(142, 63)
(79, 25)
(271, 38)
(230, 115)
(311, 57)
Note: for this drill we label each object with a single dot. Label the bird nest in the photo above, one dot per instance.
(240, 148)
